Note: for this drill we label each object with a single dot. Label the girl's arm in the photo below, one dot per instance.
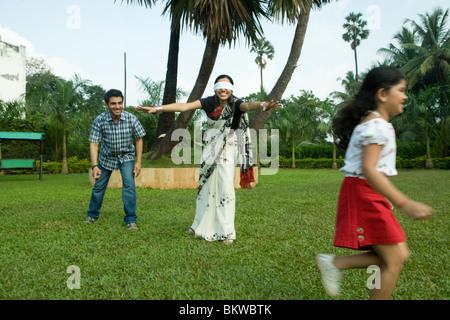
(257, 105)
(380, 183)
(172, 107)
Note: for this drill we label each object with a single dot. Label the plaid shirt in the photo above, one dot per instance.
(117, 138)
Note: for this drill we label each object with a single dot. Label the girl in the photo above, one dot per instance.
(364, 215)
(215, 206)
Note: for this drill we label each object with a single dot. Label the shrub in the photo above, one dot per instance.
(411, 150)
(78, 166)
(416, 163)
(309, 163)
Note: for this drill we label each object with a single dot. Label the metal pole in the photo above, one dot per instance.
(41, 169)
(125, 79)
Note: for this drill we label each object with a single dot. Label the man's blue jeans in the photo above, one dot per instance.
(128, 192)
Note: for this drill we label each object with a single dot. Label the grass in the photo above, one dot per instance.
(281, 225)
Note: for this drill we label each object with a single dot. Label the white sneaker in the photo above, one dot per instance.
(331, 276)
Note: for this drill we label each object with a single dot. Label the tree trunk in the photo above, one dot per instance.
(64, 169)
(165, 120)
(165, 145)
(428, 161)
(56, 143)
(334, 164)
(260, 117)
(262, 87)
(356, 65)
(293, 166)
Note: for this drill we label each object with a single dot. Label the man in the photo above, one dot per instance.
(115, 129)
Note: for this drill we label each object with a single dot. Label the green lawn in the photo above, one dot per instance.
(281, 225)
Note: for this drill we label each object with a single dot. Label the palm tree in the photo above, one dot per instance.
(433, 53)
(355, 33)
(328, 113)
(399, 56)
(175, 10)
(297, 11)
(62, 104)
(298, 121)
(155, 91)
(351, 87)
(263, 48)
(423, 116)
(220, 22)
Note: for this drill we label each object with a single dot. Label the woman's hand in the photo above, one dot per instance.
(149, 109)
(145, 109)
(267, 105)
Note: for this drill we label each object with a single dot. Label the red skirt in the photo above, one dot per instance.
(364, 217)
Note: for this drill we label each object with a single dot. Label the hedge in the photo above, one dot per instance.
(73, 164)
(82, 166)
(410, 150)
(417, 163)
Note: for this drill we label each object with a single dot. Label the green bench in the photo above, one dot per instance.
(10, 164)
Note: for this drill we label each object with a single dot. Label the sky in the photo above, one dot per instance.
(90, 38)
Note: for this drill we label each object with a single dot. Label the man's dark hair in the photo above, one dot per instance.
(113, 93)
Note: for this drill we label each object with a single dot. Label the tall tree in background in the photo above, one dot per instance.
(432, 60)
(263, 49)
(355, 32)
(155, 91)
(351, 87)
(398, 56)
(175, 9)
(61, 104)
(220, 22)
(425, 117)
(423, 54)
(299, 121)
(328, 112)
(297, 11)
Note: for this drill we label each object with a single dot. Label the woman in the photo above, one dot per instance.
(229, 139)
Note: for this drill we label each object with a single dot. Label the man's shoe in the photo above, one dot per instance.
(89, 220)
(132, 226)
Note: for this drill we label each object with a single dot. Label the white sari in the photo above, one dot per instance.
(216, 202)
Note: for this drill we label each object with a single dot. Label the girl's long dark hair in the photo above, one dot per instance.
(351, 114)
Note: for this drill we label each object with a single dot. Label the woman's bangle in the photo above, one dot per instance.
(262, 105)
(158, 109)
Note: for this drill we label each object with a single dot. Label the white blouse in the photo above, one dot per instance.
(377, 131)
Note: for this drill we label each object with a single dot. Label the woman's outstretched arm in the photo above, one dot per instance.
(172, 107)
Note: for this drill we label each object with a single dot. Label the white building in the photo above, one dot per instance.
(12, 72)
